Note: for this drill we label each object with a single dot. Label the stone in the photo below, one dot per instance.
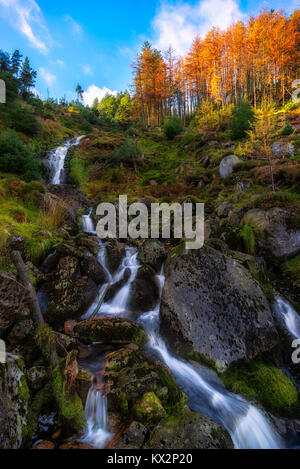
(228, 164)
(91, 268)
(283, 149)
(212, 309)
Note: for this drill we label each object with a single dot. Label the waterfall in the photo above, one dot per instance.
(285, 311)
(87, 223)
(57, 159)
(249, 427)
(96, 433)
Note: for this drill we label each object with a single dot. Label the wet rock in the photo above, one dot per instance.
(129, 375)
(212, 309)
(76, 445)
(152, 253)
(71, 196)
(14, 404)
(50, 263)
(17, 243)
(283, 149)
(206, 162)
(189, 430)
(227, 165)
(110, 331)
(115, 252)
(272, 235)
(144, 291)
(91, 268)
(14, 300)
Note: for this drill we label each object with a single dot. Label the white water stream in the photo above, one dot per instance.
(249, 427)
(284, 310)
(57, 159)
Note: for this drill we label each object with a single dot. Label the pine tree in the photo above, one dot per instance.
(27, 78)
(16, 60)
(5, 63)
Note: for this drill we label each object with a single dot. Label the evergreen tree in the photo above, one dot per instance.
(124, 111)
(27, 78)
(16, 60)
(79, 91)
(5, 63)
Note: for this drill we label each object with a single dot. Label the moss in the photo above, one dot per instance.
(265, 384)
(176, 399)
(149, 410)
(45, 338)
(248, 237)
(292, 268)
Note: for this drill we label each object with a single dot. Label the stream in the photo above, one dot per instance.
(248, 426)
(57, 158)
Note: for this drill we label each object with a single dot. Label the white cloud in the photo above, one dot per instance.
(87, 69)
(94, 92)
(48, 77)
(60, 62)
(178, 25)
(27, 17)
(76, 28)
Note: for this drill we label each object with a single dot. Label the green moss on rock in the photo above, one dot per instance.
(149, 409)
(266, 384)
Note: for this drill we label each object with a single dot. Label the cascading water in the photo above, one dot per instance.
(96, 433)
(285, 311)
(57, 159)
(248, 426)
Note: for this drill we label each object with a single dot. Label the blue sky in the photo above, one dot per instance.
(93, 42)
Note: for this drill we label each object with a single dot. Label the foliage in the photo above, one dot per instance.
(172, 127)
(242, 117)
(287, 129)
(248, 237)
(127, 154)
(15, 157)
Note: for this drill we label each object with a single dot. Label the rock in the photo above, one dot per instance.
(271, 233)
(37, 376)
(133, 437)
(242, 186)
(129, 375)
(213, 143)
(45, 445)
(110, 331)
(71, 196)
(212, 309)
(115, 252)
(14, 300)
(91, 268)
(227, 165)
(228, 145)
(149, 408)
(223, 209)
(50, 263)
(189, 430)
(152, 253)
(77, 445)
(144, 291)
(14, 404)
(89, 242)
(20, 331)
(283, 149)
(17, 243)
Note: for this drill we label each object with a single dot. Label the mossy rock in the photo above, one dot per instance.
(129, 375)
(149, 409)
(110, 331)
(266, 384)
(189, 430)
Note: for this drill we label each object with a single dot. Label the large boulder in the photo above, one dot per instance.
(14, 404)
(152, 253)
(272, 234)
(109, 331)
(115, 252)
(189, 430)
(227, 165)
(213, 310)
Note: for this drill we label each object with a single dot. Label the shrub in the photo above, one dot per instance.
(242, 117)
(172, 127)
(290, 106)
(24, 121)
(287, 129)
(86, 126)
(15, 157)
(126, 154)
